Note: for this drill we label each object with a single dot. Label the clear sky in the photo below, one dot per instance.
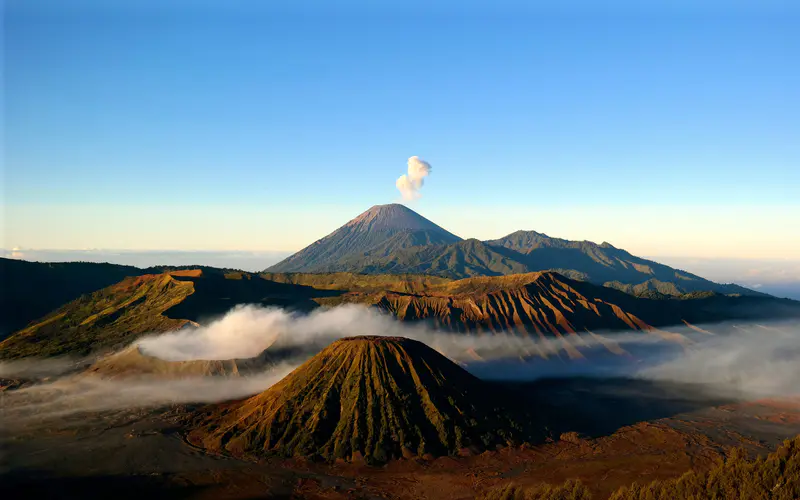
(266, 125)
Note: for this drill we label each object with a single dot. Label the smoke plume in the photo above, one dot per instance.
(244, 332)
(409, 184)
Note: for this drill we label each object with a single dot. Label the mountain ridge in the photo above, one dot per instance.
(545, 304)
(395, 239)
(549, 305)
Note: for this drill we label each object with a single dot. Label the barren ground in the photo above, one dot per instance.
(623, 431)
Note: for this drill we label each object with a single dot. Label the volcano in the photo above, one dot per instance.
(393, 239)
(370, 398)
(381, 231)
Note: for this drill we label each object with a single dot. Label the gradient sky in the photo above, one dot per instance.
(266, 125)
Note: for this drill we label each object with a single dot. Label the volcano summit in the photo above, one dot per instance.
(380, 231)
(375, 398)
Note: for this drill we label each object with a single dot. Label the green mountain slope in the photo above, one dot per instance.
(108, 318)
(116, 315)
(29, 290)
(603, 264)
(458, 260)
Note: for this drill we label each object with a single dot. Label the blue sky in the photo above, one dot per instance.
(263, 126)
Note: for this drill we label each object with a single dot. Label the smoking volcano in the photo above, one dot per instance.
(371, 398)
(381, 231)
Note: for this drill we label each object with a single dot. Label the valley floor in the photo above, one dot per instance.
(609, 433)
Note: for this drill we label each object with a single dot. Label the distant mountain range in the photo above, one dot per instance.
(395, 239)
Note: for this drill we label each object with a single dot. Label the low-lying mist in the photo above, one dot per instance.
(735, 360)
(40, 404)
(246, 331)
(748, 362)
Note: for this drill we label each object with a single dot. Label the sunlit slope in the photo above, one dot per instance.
(775, 477)
(549, 303)
(154, 303)
(372, 397)
(110, 317)
(33, 289)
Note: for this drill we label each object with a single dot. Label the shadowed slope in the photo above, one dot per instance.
(371, 397)
(31, 290)
(544, 304)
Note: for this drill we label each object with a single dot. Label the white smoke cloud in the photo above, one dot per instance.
(243, 332)
(410, 184)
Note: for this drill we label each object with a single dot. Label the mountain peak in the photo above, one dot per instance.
(381, 230)
(393, 216)
(373, 398)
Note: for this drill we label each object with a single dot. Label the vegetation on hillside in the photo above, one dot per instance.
(405, 283)
(569, 490)
(31, 290)
(775, 477)
(119, 314)
(108, 318)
